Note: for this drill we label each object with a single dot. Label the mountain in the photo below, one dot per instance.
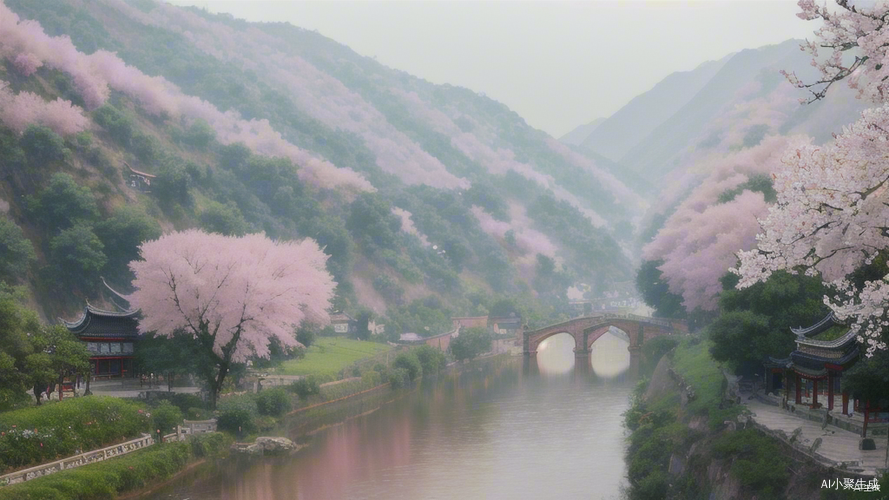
(425, 197)
(744, 101)
(630, 125)
(581, 132)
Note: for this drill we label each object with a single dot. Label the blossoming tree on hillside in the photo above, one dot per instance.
(232, 295)
(831, 215)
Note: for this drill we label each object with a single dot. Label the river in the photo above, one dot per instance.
(502, 430)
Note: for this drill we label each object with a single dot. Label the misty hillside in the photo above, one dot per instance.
(581, 132)
(631, 124)
(430, 200)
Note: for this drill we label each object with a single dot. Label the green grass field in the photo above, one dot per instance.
(328, 355)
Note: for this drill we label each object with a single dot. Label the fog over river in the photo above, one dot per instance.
(505, 429)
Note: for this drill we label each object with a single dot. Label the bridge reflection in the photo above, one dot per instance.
(607, 358)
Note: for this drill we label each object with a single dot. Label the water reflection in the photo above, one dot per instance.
(555, 355)
(610, 356)
(498, 430)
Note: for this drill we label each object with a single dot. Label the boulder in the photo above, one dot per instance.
(275, 445)
(266, 446)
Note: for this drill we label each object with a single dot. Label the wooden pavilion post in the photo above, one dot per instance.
(814, 393)
(799, 396)
(830, 382)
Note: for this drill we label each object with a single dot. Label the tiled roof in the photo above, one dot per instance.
(98, 323)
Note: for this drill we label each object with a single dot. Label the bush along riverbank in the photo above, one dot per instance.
(689, 441)
(108, 479)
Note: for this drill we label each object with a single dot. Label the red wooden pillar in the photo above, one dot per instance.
(799, 396)
(845, 403)
(830, 381)
(814, 392)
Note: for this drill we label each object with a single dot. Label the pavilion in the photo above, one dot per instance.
(824, 351)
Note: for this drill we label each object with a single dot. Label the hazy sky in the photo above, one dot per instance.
(557, 64)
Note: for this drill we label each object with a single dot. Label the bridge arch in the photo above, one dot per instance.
(588, 329)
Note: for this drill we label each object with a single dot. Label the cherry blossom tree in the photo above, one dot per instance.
(231, 295)
(831, 215)
(699, 240)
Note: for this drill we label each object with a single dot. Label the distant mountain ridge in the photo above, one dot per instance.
(630, 125)
(580, 133)
(736, 101)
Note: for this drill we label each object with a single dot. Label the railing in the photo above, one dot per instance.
(667, 323)
(182, 432)
(78, 460)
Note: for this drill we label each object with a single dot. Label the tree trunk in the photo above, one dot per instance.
(169, 382)
(216, 384)
(87, 392)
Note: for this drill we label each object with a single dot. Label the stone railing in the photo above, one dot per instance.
(197, 426)
(187, 428)
(89, 457)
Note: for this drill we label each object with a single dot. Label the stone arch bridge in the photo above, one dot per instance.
(588, 329)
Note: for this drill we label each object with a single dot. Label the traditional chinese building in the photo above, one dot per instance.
(110, 338)
(823, 352)
(140, 181)
(509, 325)
(813, 372)
(342, 323)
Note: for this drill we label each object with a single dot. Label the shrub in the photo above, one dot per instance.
(371, 379)
(471, 343)
(211, 444)
(236, 414)
(184, 401)
(145, 147)
(66, 426)
(199, 135)
(758, 461)
(224, 219)
(165, 417)
(409, 362)
(274, 402)
(118, 125)
(305, 387)
(16, 251)
(431, 359)
(399, 378)
(653, 487)
(305, 335)
(42, 145)
(63, 203)
(78, 256)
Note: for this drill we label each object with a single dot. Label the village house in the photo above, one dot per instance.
(343, 324)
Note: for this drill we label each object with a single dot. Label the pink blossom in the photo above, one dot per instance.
(699, 241)
(27, 63)
(18, 111)
(248, 289)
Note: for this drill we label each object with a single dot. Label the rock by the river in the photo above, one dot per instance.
(266, 446)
